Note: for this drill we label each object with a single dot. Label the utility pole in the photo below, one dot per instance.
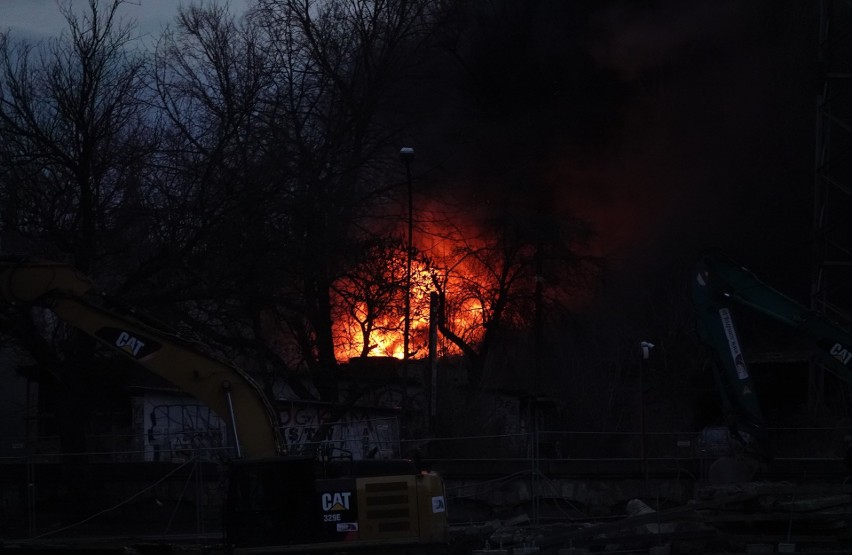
(646, 347)
(535, 407)
(831, 281)
(406, 154)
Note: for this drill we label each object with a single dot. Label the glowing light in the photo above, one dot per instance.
(364, 330)
(473, 274)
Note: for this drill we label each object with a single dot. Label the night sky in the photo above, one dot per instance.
(36, 19)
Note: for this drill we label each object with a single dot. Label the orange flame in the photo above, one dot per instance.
(375, 327)
(382, 332)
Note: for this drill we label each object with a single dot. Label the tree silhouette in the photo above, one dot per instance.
(337, 68)
(75, 135)
(502, 273)
(75, 139)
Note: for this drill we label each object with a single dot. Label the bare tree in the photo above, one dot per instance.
(338, 66)
(212, 80)
(74, 142)
(505, 279)
(368, 300)
(74, 132)
(274, 150)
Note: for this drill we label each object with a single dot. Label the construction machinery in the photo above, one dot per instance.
(277, 502)
(719, 286)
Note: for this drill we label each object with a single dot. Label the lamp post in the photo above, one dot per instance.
(646, 347)
(406, 154)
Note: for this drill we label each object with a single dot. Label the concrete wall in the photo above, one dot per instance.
(361, 433)
(172, 428)
(14, 406)
(175, 428)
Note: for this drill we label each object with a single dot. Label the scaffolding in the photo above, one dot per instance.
(831, 292)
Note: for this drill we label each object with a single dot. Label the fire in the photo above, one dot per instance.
(383, 336)
(479, 278)
(370, 319)
(364, 331)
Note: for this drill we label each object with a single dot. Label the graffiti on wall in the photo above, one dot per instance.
(176, 431)
(359, 434)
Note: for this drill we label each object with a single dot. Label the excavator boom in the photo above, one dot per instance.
(229, 391)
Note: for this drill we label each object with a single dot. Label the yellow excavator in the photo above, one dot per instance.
(277, 502)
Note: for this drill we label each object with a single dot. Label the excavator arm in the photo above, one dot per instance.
(228, 390)
(718, 285)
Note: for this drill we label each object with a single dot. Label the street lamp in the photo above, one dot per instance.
(406, 154)
(646, 347)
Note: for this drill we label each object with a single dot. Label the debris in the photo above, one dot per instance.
(637, 507)
(815, 503)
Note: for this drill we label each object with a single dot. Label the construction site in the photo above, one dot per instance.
(607, 309)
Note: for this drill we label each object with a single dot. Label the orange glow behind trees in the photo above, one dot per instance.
(372, 325)
(369, 301)
(369, 306)
(482, 277)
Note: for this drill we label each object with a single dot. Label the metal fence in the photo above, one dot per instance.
(211, 445)
(112, 486)
(816, 443)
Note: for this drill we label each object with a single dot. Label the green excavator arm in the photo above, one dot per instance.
(718, 285)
